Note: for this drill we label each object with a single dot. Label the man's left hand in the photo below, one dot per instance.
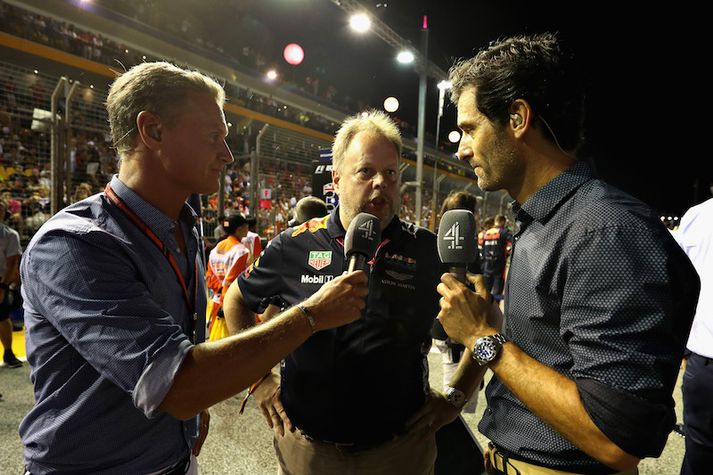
(464, 313)
(203, 426)
(434, 414)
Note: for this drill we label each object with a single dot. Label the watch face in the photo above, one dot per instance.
(455, 397)
(486, 349)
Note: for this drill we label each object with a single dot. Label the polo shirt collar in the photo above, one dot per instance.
(336, 230)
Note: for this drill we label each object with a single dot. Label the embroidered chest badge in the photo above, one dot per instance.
(319, 259)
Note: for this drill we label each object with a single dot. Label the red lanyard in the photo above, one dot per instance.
(134, 218)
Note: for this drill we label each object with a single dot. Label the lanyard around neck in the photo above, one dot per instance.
(143, 227)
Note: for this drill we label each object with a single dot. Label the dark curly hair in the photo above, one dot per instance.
(535, 68)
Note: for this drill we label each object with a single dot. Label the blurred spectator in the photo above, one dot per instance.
(81, 191)
(307, 208)
(695, 236)
(10, 252)
(226, 261)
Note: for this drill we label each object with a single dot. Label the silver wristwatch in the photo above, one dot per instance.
(487, 348)
(455, 397)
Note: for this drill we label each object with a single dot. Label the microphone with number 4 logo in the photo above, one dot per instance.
(361, 241)
(457, 246)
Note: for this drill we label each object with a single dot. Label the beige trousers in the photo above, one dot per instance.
(410, 454)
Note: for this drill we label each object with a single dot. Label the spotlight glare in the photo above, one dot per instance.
(405, 57)
(391, 104)
(454, 136)
(444, 85)
(360, 22)
(271, 75)
(293, 54)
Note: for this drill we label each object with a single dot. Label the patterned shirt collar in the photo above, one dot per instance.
(155, 219)
(545, 200)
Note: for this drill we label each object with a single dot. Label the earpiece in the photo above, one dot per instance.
(154, 133)
(516, 118)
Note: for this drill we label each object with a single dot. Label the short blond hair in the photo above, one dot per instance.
(157, 87)
(373, 121)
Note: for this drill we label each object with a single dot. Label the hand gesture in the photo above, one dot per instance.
(339, 301)
(267, 395)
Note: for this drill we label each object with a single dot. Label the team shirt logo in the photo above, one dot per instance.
(319, 259)
(313, 225)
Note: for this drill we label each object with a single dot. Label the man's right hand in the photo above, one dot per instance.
(267, 396)
(339, 301)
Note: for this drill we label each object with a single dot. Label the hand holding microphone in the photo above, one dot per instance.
(342, 299)
(463, 313)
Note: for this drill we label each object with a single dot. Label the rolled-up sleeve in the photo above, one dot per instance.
(625, 322)
(99, 303)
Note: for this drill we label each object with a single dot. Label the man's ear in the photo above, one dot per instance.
(335, 179)
(520, 116)
(148, 125)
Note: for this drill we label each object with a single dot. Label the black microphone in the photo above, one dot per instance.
(361, 241)
(456, 241)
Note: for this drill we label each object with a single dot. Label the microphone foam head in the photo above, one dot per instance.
(457, 237)
(363, 235)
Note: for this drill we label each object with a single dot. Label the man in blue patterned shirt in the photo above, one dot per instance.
(599, 298)
(115, 297)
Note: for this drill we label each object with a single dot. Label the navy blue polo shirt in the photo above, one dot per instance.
(358, 383)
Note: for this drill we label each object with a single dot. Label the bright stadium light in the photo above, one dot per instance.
(293, 54)
(271, 75)
(405, 57)
(454, 136)
(444, 85)
(391, 104)
(360, 22)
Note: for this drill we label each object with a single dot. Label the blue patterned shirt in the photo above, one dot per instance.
(599, 291)
(107, 327)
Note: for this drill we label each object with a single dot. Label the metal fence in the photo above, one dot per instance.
(281, 159)
(284, 160)
(25, 138)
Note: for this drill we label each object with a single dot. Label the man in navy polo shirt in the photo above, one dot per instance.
(356, 399)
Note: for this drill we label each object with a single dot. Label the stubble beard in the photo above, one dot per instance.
(503, 168)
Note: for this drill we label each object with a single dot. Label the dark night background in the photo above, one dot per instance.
(642, 68)
(631, 64)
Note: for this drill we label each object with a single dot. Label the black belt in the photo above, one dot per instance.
(181, 468)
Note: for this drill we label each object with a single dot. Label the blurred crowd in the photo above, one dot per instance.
(25, 175)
